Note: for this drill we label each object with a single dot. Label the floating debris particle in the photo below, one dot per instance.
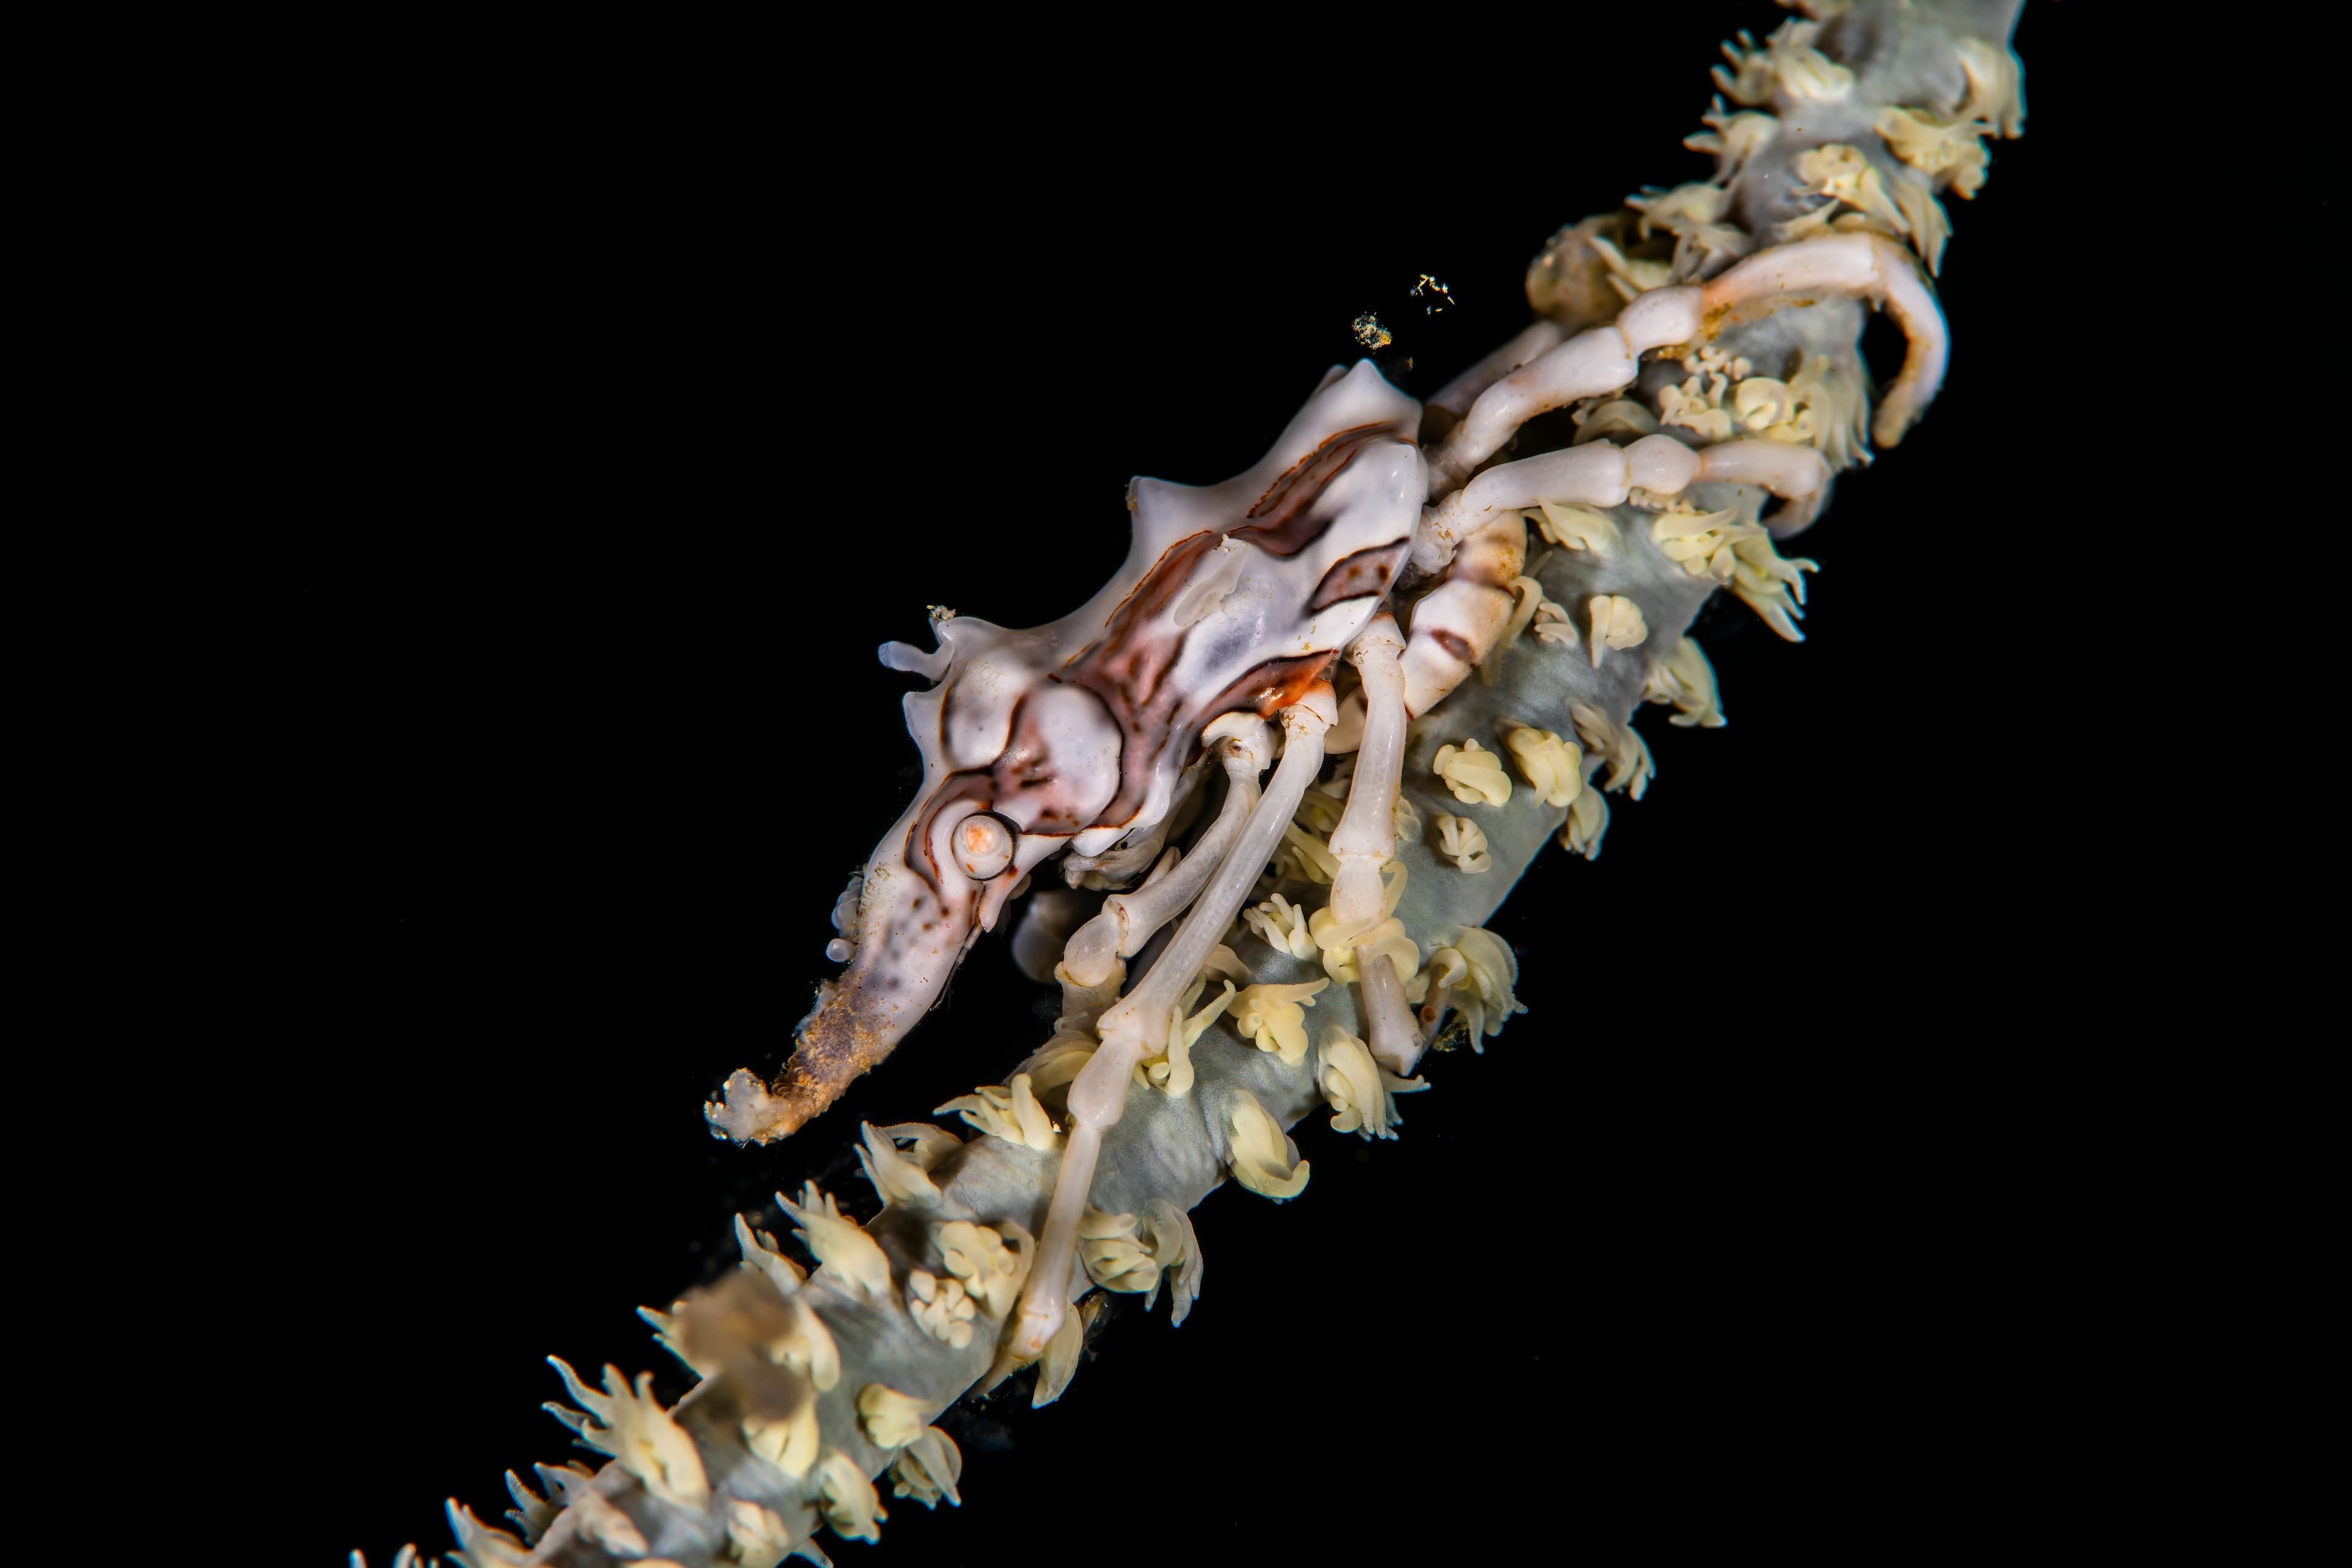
(1437, 295)
(1369, 332)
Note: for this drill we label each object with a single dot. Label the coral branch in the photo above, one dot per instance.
(1085, 1165)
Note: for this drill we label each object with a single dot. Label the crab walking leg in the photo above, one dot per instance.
(1796, 474)
(1134, 1029)
(1864, 264)
(1594, 474)
(1590, 363)
(1453, 400)
(1456, 623)
(1599, 474)
(1664, 466)
(1606, 358)
(1128, 921)
(1365, 839)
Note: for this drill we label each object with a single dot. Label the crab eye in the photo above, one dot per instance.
(983, 845)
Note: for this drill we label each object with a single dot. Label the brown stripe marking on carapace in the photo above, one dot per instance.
(1453, 643)
(1269, 689)
(973, 784)
(1368, 574)
(1287, 521)
(1266, 690)
(1127, 667)
(1158, 590)
(1152, 593)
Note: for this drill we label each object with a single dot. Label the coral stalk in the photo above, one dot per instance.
(812, 1386)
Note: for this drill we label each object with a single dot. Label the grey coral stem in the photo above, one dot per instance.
(1174, 1149)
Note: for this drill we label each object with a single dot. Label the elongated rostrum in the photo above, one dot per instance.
(1289, 759)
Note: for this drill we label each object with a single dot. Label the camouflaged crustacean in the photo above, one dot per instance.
(1438, 641)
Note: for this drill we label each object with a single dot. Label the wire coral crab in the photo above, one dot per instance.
(1285, 767)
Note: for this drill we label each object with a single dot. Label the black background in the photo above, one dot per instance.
(644, 401)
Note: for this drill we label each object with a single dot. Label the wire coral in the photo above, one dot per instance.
(813, 1386)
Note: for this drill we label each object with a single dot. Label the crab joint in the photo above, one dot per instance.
(1365, 839)
(1129, 921)
(1136, 1026)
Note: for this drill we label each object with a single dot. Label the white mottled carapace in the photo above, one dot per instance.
(1073, 735)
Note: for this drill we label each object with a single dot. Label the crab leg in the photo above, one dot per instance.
(1365, 840)
(1445, 410)
(1128, 921)
(1867, 264)
(1456, 623)
(1134, 1028)
(1590, 363)
(1595, 474)
(1606, 358)
(1599, 474)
